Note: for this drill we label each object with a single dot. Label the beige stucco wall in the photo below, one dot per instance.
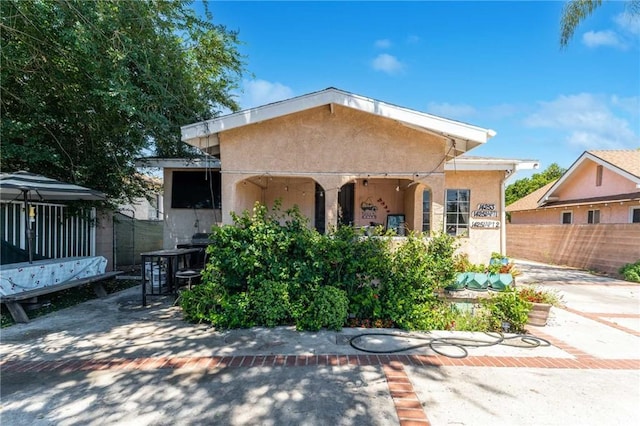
(181, 224)
(582, 183)
(485, 188)
(611, 212)
(332, 148)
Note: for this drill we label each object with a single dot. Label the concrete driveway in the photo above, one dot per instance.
(112, 362)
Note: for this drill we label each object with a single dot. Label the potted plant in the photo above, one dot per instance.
(541, 301)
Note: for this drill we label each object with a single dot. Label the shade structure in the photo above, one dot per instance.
(33, 187)
(41, 188)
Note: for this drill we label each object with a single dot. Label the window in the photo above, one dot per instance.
(635, 215)
(567, 218)
(457, 214)
(426, 211)
(599, 176)
(196, 190)
(593, 216)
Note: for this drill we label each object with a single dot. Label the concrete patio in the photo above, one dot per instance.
(113, 361)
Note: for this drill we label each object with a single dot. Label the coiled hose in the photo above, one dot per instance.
(459, 344)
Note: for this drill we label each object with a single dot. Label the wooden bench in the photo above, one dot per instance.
(13, 301)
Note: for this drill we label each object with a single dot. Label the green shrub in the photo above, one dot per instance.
(508, 311)
(631, 272)
(269, 303)
(327, 307)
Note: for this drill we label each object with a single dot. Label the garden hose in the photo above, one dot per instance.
(460, 344)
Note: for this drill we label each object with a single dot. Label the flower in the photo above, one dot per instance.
(539, 295)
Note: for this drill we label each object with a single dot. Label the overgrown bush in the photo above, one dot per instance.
(269, 268)
(631, 272)
(508, 311)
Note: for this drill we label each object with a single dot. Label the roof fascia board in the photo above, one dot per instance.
(179, 163)
(488, 165)
(443, 126)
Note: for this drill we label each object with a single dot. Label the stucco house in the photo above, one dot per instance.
(589, 218)
(343, 158)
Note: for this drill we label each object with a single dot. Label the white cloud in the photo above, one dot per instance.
(262, 92)
(383, 44)
(387, 63)
(628, 22)
(602, 38)
(453, 111)
(585, 120)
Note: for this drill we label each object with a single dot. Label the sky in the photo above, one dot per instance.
(495, 65)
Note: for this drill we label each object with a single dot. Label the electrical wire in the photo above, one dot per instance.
(459, 344)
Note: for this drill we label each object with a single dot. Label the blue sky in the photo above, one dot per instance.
(496, 65)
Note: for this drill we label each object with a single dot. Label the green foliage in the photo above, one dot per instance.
(95, 84)
(631, 271)
(288, 273)
(327, 307)
(507, 308)
(419, 269)
(269, 303)
(524, 187)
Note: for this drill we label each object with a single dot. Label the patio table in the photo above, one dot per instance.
(159, 270)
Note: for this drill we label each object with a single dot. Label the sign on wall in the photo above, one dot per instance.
(481, 218)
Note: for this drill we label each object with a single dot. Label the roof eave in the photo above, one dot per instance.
(198, 133)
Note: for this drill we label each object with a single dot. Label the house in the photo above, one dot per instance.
(589, 218)
(343, 159)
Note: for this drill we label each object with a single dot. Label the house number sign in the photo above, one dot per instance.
(485, 211)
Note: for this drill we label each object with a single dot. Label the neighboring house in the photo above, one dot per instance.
(595, 207)
(343, 159)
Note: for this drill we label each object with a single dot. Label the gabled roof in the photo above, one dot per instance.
(529, 202)
(623, 162)
(203, 135)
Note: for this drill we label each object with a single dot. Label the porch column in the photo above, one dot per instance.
(229, 188)
(437, 185)
(331, 185)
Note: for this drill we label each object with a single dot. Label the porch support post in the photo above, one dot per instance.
(437, 185)
(229, 195)
(331, 186)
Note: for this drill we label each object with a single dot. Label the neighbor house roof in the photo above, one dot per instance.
(529, 202)
(624, 162)
(204, 134)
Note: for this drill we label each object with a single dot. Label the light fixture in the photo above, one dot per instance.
(365, 182)
(286, 187)
(397, 187)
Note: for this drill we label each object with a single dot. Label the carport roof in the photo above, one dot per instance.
(464, 136)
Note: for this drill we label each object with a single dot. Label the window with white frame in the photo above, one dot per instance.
(593, 216)
(634, 215)
(426, 211)
(457, 214)
(567, 218)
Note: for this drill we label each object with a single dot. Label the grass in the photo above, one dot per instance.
(66, 298)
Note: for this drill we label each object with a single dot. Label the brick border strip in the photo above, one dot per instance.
(582, 362)
(597, 316)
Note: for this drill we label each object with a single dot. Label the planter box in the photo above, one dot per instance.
(539, 314)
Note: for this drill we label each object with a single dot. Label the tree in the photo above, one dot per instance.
(87, 86)
(576, 11)
(526, 186)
